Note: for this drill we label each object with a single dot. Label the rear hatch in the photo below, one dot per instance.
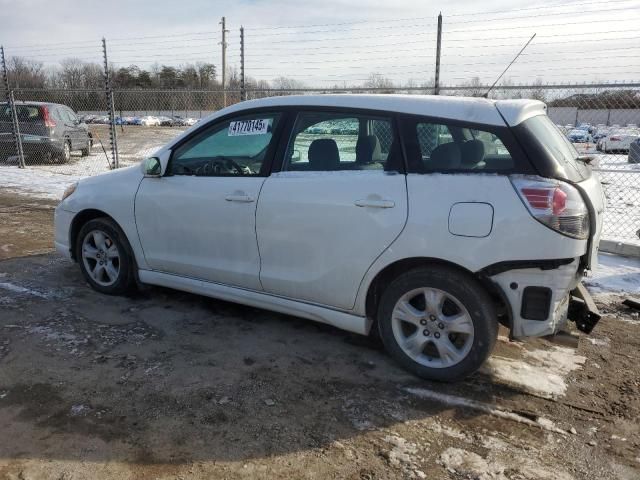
(555, 157)
(32, 120)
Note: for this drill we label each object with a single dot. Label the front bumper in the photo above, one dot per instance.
(62, 223)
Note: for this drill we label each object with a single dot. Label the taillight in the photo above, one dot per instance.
(48, 121)
(556, 204)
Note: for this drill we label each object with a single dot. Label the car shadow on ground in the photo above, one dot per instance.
(165, 377)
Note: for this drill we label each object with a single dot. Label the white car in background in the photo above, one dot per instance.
(411, 226)
(150, 121)
(618, 140)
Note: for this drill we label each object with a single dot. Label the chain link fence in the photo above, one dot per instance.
(68, 131)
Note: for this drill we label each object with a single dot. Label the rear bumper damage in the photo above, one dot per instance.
(582, 309)
(542, 299)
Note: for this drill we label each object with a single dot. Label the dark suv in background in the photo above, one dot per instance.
(49, 132)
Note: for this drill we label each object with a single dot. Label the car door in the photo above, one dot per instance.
(80, 136)
(70, 128)
(338, 203)
(198, 219)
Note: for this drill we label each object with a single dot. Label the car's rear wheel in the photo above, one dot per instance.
(437, 322)
(105, 257)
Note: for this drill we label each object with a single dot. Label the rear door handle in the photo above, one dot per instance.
(375, 203)
(239, 198)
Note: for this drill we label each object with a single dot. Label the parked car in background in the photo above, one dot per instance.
(49, 132)
(417, 232)
(190, 121)
(87, 118)
(150, 121)
(618, 140)
(634, 151)
(579, 136)
(600, 132)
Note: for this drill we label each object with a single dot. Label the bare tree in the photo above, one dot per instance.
(71, 73)
(378, 81)
(26, 73)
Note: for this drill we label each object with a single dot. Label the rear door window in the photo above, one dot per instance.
(330, 141)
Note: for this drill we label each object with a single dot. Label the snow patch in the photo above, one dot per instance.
(615, 274)
(471, 465)
(18, 289)
(540, 372)
(462, 402)
(402, 451)
(37, 183)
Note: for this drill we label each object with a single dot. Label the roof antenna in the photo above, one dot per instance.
(486, 95)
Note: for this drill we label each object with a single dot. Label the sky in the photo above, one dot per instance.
(342, 42)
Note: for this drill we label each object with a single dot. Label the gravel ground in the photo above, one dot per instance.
(170, 385)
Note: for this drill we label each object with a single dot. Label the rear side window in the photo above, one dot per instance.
(444, 147)
(555, 153)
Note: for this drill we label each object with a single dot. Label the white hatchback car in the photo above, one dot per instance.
(428, 219)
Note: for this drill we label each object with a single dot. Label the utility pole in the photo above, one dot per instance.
(111, 106)
(15, 126)
(243, 92)
(224, 61)
(436, 89)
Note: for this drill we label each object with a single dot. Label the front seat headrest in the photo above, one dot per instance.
(472, 153)
(323, 155)
(445, 157)
(368, 150)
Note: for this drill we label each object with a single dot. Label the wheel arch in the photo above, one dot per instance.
(83, 217)
(394, 269)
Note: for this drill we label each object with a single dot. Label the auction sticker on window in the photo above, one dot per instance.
(249, 127)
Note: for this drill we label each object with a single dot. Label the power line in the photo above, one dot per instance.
(359, 22)
(531, 27)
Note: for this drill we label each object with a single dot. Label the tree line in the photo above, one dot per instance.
(192, 87)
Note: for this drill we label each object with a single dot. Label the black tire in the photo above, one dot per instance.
(125, 280)
(65, 155)
(468, 292)
(85, 152)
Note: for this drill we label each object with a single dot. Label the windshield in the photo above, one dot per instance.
(555, 144)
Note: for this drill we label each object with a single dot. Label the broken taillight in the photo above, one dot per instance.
(556, 204)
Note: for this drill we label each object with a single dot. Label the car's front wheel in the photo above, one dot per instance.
(105, 257)
(65, 155)
(85, 152)
(437, 322)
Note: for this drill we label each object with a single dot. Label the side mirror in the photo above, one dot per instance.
(151, 167)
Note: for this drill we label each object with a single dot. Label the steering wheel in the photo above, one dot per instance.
(239, 168)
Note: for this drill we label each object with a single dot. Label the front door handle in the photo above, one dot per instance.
(375, 203)
(239, 198)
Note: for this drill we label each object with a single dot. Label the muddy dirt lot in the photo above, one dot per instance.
(170, 385)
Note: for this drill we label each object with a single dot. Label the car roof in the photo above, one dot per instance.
(471, 109)
(29, 102)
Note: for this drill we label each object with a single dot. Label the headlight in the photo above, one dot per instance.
(69, 190)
